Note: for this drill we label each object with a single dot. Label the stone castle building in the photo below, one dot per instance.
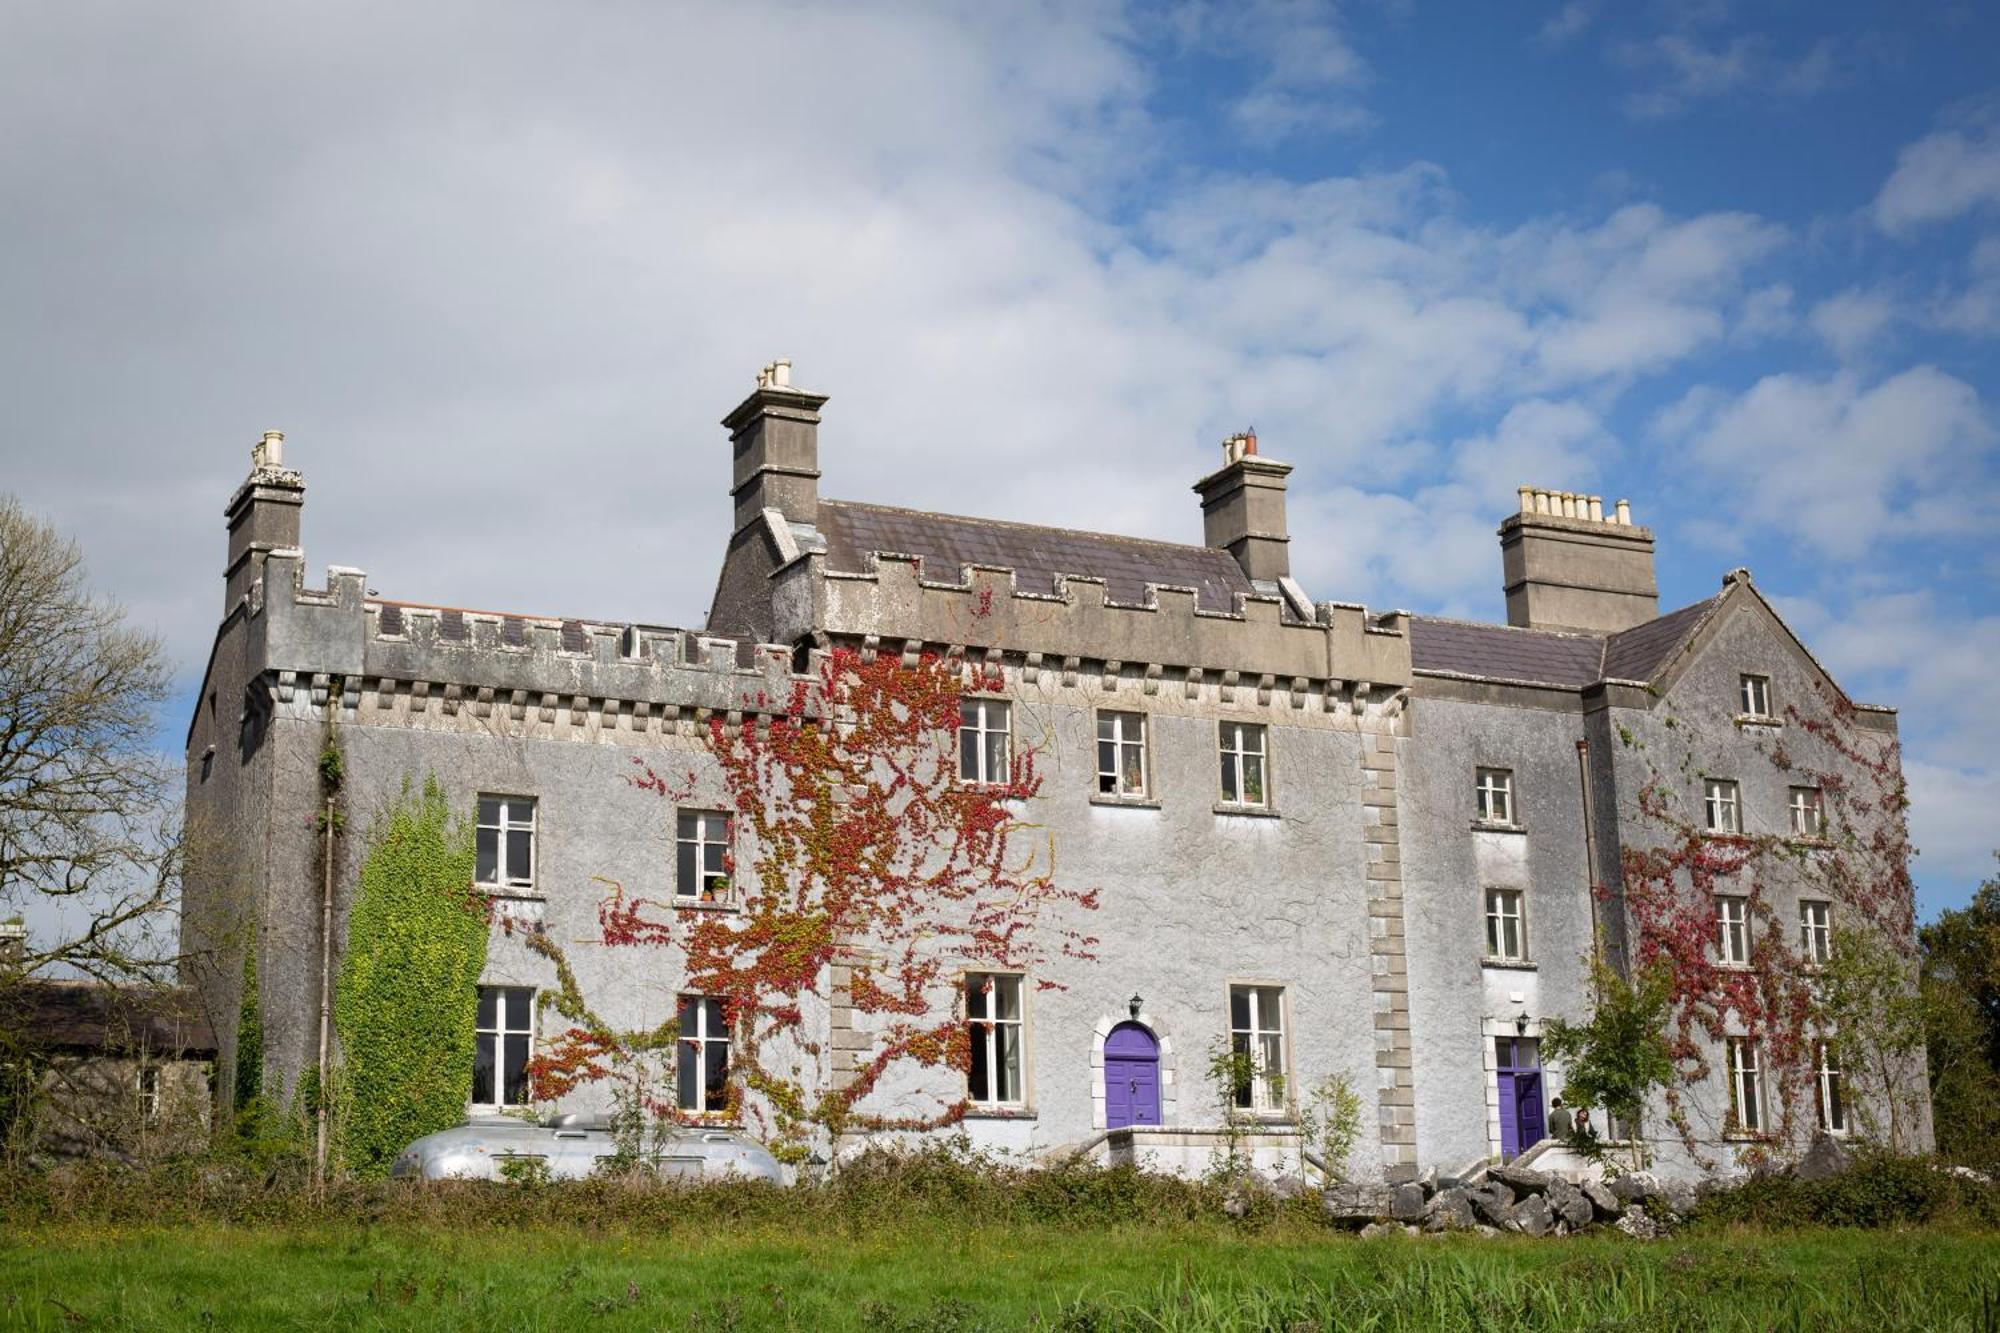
(1350, 842)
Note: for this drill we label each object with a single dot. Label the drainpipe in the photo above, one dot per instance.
(1590, 849)
(325, 988)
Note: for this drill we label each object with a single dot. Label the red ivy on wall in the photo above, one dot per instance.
(867, 858)
(1858, 863)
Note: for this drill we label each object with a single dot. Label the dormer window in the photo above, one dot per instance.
(1755, 696)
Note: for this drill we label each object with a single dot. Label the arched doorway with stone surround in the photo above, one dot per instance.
(1123, 1044)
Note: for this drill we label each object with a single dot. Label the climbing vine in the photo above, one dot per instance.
(406, 1004)
(249, 1029)
(873, 876)
(1779, 998)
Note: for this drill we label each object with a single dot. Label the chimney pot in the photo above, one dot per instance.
(1562, 577)
(1243, 509)
(774, 434)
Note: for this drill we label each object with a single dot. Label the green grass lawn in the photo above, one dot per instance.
(971, 1277)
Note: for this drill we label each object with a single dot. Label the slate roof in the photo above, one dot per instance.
(1638, 653)
(1501, 652)
(75, 1015)
(1551, 657)
(1036, 554)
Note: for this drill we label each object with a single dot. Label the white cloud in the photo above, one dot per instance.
(1307, 71)
(1567, 23)
(1942, 176)
(1850, 321)
(1688, 69)
(1842, 464)
(1935, 663)
(1435, 548)
(1974, 305)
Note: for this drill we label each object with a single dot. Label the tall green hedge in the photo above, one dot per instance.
(407, 1001)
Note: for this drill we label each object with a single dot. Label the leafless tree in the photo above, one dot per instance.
(90, 850)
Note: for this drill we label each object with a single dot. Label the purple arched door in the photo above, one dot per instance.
(1131, 1077)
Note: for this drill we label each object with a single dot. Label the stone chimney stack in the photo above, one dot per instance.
(1243, 509)
(263, 516)
(775, 435)
(1569, 565)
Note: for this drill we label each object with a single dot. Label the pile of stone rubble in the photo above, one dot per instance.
(1510, 1199)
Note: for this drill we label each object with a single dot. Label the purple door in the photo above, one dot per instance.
(1523, 1123)
(1131, 1077)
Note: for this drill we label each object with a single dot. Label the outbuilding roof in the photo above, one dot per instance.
(81, 1015)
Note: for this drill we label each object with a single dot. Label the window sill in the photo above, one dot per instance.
(1746, 1136)
(700, 905)
(1497, 826)
(1733, 967)
(1733, 836)
(981, 1112)
(1759, 720)
(1510, 964)
(511, 893)
(1125, 802)
(1808, 840)
(1246, 811)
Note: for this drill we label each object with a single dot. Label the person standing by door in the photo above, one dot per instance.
(1560, 1124)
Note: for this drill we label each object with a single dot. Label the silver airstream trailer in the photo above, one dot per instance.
(572, 1146)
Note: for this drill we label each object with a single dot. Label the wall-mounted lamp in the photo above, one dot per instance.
(1521, 1023)
(1135, 1004)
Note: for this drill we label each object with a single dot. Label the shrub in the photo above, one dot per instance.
(1879, 1190)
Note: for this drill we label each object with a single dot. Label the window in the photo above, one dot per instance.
(1256, 1030)
(993, 1013)
(1756, 696)
(704, 1056)
(1721, 808)
(1732, 920)
(506, 1033)
(984, 752)
(1808, 812)
(1746, 1087)
(701, 841)
(1243, 764)
(1121, 754)
(506, 842)
(149, 1094)
(1496, 795)
(1832, 1108)
(1816, 931)
(1504, 940)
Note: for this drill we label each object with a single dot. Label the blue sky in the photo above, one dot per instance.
(498, 268)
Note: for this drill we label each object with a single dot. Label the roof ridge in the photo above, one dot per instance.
(1519, 629)
(1029, 527)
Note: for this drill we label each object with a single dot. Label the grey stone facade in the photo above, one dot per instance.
(1358, 890)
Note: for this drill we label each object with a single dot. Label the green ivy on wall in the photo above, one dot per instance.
(407, 1000)
(249, 1031)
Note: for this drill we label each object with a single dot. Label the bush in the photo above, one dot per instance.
(933, 1188)
(1879, 1190)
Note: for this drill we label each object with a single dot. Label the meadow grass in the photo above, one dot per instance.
(926, 1275)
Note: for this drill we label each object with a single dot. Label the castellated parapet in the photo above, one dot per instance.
(1340, 660)
(416, 660)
